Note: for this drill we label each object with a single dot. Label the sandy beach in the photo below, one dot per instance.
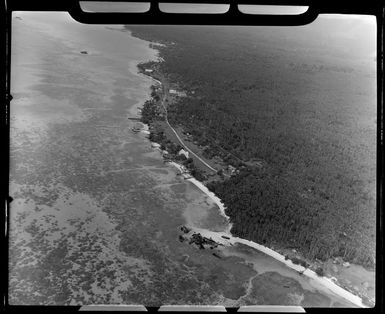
(318, 282)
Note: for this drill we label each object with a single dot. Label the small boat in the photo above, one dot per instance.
(225, 237)
(137, 127)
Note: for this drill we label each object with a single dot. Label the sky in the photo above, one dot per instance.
(357, 32)
(204, 8)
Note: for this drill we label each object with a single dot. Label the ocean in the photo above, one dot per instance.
(96, 213)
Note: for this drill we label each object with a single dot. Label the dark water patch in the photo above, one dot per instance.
(338, 304)
(318, 300)
(179, 188)
(173, 286)
(68, 92)
(135, 244)
(39, 281)
(271, 288)
(120, 103)
(228, 276)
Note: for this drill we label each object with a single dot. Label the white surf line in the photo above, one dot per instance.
(328, 283)
(217, 236)
(324, 281)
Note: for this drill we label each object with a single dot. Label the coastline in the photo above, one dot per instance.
(323, 281)
(217, 237)
(210, 194)
(87, 232)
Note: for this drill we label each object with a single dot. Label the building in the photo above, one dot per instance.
(175, 92)
(183, 152)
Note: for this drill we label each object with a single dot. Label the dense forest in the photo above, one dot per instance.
(296, 106)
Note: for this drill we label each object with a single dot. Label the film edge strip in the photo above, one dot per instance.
(197, 308)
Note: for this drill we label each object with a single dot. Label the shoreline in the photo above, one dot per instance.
(217, 237)
(325, 282)
(208, 193)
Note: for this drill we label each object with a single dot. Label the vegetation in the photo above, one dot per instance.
(260, 98)
(151, 114)
(298, 261)
(319, 271)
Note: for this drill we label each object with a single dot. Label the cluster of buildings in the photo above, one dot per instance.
(177, 93)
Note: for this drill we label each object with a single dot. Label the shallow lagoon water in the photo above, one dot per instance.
(96, 213)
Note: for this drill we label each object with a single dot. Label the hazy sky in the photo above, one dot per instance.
(203, 8)
(353, 33)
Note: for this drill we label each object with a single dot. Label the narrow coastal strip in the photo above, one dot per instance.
(217, 237)
(185, 146)
(177, 135)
